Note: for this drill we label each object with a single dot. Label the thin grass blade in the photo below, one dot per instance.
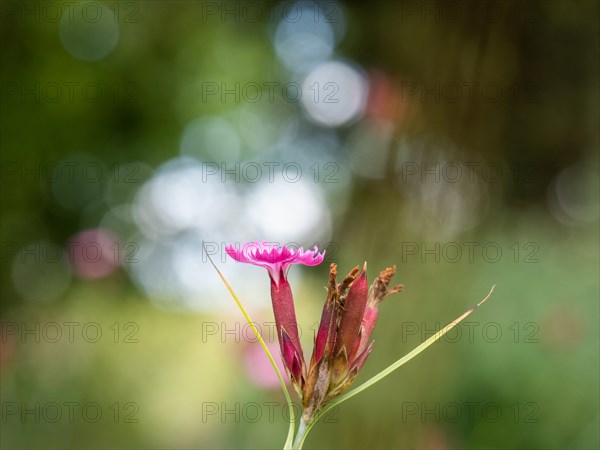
(384, 373)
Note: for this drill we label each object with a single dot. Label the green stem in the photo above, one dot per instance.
(299, 439)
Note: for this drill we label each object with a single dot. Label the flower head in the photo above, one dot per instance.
(276, 259)
(342, 341)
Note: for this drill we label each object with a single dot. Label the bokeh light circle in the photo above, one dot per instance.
(89, 31)
(334, 93)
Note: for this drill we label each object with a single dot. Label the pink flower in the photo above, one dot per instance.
(277, 260)
(343, 340)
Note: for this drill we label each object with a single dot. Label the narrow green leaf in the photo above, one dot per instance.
(384, 373)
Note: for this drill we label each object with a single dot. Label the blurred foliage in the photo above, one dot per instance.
(150, 84)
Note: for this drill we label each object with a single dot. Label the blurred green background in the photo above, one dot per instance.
(458, 140)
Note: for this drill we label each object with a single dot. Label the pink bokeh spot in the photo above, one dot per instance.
(259, 368)
(94, 253)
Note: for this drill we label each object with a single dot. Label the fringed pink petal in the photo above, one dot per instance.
(276, 259)
(309, 257)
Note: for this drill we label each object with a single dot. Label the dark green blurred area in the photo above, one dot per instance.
(528, 375)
